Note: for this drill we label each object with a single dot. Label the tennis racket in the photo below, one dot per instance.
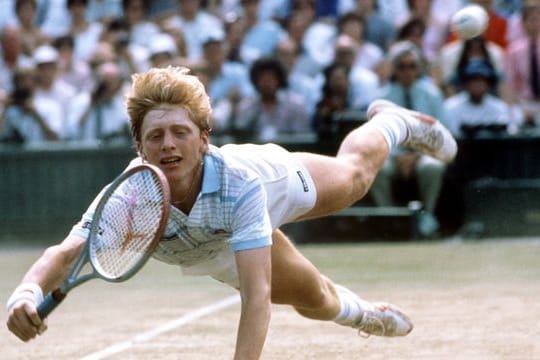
(127, 224)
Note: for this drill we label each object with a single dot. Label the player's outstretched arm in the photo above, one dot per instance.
(46, 274)
(254, 272)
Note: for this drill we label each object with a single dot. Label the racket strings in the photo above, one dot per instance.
(128, 224)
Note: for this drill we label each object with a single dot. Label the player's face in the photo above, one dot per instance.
(171, 141)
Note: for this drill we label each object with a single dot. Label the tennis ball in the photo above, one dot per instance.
(469, 22)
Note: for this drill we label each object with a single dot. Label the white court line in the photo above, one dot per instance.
(148, 335)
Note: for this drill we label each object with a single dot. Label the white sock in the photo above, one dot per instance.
(391, 126)
(352, 306)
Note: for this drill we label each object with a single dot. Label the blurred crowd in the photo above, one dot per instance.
(271, 67)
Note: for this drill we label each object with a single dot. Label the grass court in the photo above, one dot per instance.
(468, 300)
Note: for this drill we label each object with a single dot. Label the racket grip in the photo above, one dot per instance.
(50, 302)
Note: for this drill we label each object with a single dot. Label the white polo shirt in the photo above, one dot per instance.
(231, 211)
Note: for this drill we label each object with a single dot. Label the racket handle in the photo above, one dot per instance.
(50, 302)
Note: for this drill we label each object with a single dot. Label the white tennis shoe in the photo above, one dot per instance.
(384, 320)
(425, 133)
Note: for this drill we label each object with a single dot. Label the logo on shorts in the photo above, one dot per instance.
(303, 180)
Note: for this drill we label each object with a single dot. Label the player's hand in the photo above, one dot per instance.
(24, 321)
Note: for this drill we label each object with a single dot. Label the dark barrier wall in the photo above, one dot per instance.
(44, 191)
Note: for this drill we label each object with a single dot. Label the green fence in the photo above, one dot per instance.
(43, 191)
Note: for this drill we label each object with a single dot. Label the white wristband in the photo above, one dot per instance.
(25, 291)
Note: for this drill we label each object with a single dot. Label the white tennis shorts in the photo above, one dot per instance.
(289, 187)
(290, 193)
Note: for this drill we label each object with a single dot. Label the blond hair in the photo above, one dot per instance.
(171, 85)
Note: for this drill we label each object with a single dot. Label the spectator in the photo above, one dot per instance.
(454, 56)
(49, 85)
(28, 119)
(522, 68)
(71, 70)
(319, 38)
(163, 51)
(197, 25)
(475, 110)
(227, 82)
(234, 35)
(55, 17)
(86, 34)
(103, 53)
(11, 57)
(261, 36)
(306, 8)
(275, 111)
(31, 35)
(436, 29)
(167, 26)
(226, 77)
(131, 57)
(364, 83)
(423, 173)
(368, 55)
(334, 102)
(101, 114)
(296, 26)
(103, 11)
(413, 30)
(140, 29)
(301, 29)
(378, 30)
(306, 85)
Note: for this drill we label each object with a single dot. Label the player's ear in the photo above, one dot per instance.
(140, 151)
(205, 137)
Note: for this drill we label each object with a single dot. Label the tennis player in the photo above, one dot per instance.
(229, 202)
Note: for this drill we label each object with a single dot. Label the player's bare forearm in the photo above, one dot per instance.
(254, 272)
(53, 267)
(252, 330)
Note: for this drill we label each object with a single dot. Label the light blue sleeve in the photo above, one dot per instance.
(251, 223)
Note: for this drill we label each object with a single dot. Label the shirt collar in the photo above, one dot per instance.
(210, 181)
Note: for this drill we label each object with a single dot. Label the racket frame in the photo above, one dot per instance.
(53, 299)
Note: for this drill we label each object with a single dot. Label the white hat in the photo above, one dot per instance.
(45, 54)
(162, 43)
(404, 47)
(213, 35)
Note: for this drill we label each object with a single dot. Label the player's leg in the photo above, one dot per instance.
(297, 282)
(381, 191)
(346, 178)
